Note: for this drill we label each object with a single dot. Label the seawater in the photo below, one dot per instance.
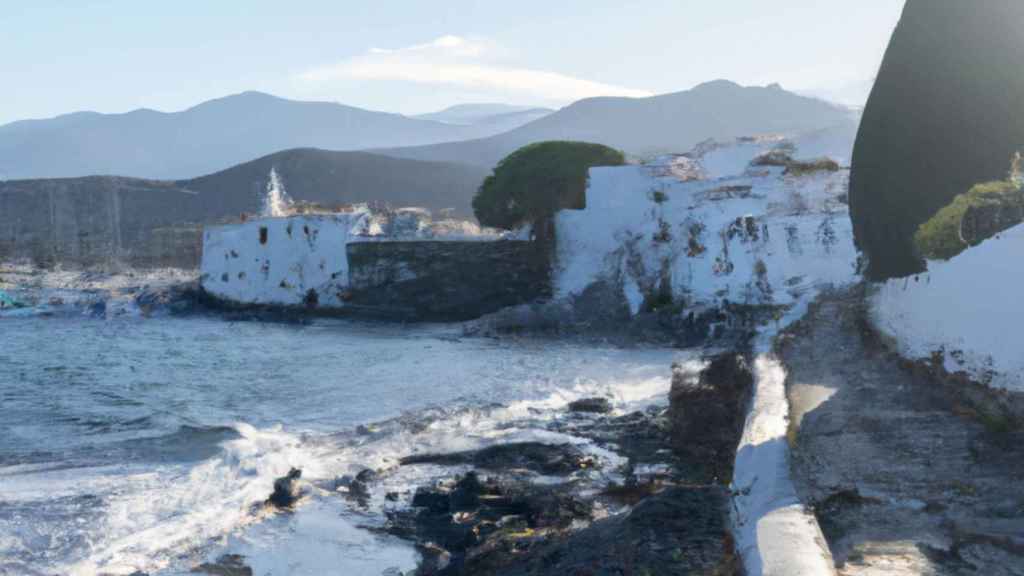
(134, 444)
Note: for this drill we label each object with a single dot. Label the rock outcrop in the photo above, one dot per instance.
(944, 115)
(707, 413)
(287, 489)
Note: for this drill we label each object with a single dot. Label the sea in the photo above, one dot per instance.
(148, 445)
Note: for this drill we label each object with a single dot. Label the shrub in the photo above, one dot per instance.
(774, 157)
(940, 236)
(801, 168)
(783, 158)
(534, 182)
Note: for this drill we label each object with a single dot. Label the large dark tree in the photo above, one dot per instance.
(946, 112)
(534, 182)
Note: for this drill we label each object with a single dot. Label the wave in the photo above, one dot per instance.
(178, 499)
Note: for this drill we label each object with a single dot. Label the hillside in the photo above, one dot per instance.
(500, 117)
(99, 219)
(943, 116)
(649, 126)
(205, 138)
(330, 178)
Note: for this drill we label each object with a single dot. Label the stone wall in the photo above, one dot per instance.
(445, 280)
(99, 221)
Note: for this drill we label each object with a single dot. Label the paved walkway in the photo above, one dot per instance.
(902, 479)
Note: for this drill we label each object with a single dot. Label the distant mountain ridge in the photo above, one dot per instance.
(508, 116)
(648, 126)
(97, 220)
(205, 138)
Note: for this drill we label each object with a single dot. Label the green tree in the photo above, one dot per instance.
(534, 182)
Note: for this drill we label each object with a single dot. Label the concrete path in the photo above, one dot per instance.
(902, 477)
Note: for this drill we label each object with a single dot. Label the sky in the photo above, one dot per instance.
(416, 56)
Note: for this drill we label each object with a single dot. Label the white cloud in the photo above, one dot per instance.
(465, 63)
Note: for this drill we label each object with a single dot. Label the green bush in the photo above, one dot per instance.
(782, 157)
(939, 237)
(534, 182)
(801, 168)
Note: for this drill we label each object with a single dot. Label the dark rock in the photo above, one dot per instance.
(545, 459)
(942, 117)
(227, 565)
(286, 489)
(367, 476)
(591, 405)
(466, 494)
(679, 531)
(432, 499)
(474, 511)
(435, 558)
(706, 414)
(358, 488)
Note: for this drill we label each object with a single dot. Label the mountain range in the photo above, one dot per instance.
(208, 137)
(221, 133)
(644, 127)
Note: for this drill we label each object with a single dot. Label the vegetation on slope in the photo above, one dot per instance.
(944, 235)
(534, 182)
(782, 157)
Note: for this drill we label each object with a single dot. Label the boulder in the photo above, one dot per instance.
(706, 413)
(591, 406)
(943, 116)
(226, 565)
(286, 490)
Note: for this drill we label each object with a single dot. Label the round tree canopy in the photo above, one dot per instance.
(537, 180)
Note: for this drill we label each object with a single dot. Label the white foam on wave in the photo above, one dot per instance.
(150, 518)
(174, 516)
(520, 421)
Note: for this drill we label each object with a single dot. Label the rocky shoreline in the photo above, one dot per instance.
(525, 508)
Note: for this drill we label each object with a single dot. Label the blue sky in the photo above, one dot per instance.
(58, 56)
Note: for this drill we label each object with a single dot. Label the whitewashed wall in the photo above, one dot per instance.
(968, 308)
(301, 253)
(718, 228)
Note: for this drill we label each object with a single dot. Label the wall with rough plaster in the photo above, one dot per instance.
(277, 261)
(707, 227)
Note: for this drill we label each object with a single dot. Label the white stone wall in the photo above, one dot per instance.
(301, 253)
(967, 309)
(712, 225)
